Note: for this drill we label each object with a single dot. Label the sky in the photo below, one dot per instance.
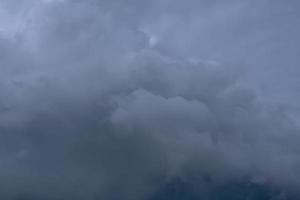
(144, 100)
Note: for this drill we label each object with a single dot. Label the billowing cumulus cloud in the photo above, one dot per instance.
(120, 99)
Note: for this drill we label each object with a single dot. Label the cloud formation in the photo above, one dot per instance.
(114, 99)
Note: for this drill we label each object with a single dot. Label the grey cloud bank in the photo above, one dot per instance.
(115, 99)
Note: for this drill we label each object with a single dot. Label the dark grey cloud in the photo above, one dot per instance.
(114, 99)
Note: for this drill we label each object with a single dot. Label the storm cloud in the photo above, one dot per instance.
(111, 99)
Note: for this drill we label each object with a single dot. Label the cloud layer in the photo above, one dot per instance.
(114, 99)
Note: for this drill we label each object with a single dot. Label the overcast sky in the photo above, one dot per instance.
(114, 99)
